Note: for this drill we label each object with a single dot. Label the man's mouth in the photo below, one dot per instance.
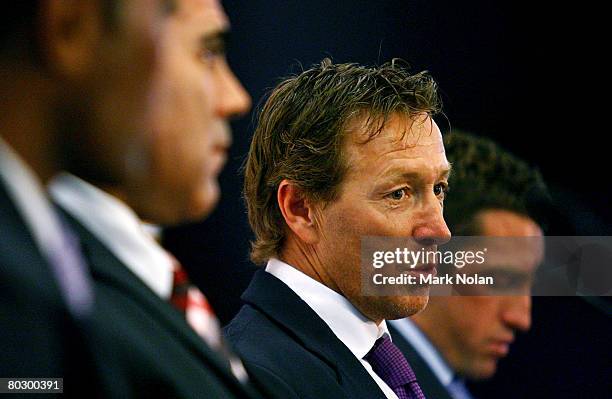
(425, 268)
(220, 158)
(499, 347)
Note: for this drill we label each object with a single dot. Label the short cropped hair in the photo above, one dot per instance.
(487, 177)
(19, 30)
(301, 130)
(20, 24)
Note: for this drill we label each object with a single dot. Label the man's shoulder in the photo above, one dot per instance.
(272, 352)
(263, 340)
(22, 265)
(35, 326)
(15, 238)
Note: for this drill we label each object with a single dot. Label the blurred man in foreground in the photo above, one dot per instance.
(140, 287)
(465, 335)
(66, 69)
(340, 152)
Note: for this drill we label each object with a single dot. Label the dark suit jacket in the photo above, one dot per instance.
(429, 383)
(285, 343)
(38, 336)
(154, 353)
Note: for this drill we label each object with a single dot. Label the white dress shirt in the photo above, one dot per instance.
(351, 327)
(118, 228)
(32, 203)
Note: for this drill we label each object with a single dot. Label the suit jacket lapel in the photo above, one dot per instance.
(18, 247)
(277, 301)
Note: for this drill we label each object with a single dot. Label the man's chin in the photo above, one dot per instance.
(411, 305)
(198, 206)
(486, 369)
(205, 202)
(394, 307)
(413, 300)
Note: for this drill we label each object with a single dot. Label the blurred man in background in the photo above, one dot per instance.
(74, 77)
(165, 331)
(464, 336)
(340, 151)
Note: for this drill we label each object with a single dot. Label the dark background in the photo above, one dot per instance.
(525, 73)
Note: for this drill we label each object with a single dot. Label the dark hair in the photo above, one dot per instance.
(301, 130)
(20, 23)
(18, 30)
(485, 176)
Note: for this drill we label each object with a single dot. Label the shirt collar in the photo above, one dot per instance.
(408, 329)
(28, 195)
(351, 327)
(118, 227)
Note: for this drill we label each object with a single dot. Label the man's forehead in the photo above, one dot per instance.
(208, 4)
(506, 223)
(204, 9)
(415, 137)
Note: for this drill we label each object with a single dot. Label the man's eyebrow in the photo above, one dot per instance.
(447, 171)
(169, 7)
(402, 174)
(216, 41)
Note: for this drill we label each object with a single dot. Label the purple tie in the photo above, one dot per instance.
(71, 271)
(391, 366)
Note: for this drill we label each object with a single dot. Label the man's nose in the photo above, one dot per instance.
(233, 98)
(433, 230)
(517, 312)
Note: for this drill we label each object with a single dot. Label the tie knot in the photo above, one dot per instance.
(389, 363)
(180, 278)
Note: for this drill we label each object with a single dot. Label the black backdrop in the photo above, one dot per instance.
(524, 73)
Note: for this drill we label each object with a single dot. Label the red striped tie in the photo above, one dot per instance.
(190, 301)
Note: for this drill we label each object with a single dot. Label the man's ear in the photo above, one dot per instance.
(298, 212)
(71, 32)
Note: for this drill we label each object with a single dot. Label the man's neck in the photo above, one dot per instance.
(306, 261)
(115, 192)
(25, 125)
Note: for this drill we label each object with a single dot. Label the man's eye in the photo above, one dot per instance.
(440, 190)
(398, 195)
(207, 56)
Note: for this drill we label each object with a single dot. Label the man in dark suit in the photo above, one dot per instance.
(164, 352)
(341, 151)
(63, 66)
(463, 336)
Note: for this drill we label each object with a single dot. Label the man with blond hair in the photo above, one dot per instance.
(341, 151)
